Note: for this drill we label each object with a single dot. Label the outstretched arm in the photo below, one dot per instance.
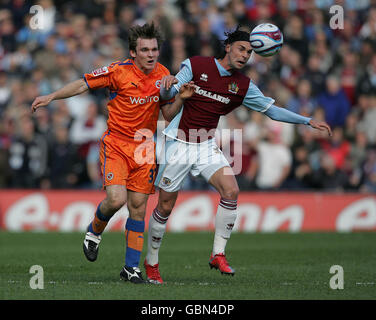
(255, 100)
(169, 111)
(320, 125)
(71, 89)
(284, 115)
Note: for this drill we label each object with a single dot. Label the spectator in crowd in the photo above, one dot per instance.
(207, 37)
(303, 102)
(93, 167)
(87, 129)
(7, 31)
(27, 155)
(63, 163)
(126, 18)
(261, 10)
(356, 159)
(346, 39)
(42, 123)
(314, 75)
(61, 115)
(367, 82)
(328, 176)
(368, 119)
(368, 29)
(253, 131)
(39, 78)
(274, 160)
(292, 71)
(369, 168)
(334, 102)
(318, 24)
(86, 55)
(6, 134)
(295, 37)
(300, 177)
(321, 48)
(366, 52)
(46, 59)
(349, 74)
(5, 92)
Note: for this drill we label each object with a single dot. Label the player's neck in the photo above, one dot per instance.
(225, 63)
(144, 70)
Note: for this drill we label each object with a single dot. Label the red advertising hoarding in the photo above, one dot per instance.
(72, 210)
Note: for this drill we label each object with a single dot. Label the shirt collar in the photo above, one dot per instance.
(140, 73)
(222, 71)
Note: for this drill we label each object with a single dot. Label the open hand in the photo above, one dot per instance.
(186, 90)
(168, 81)
(320, 125)
(41, 101)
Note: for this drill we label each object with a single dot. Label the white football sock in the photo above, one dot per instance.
(156, 230)
(224, 222)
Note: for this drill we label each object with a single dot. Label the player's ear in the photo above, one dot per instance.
(227, 48)
(133, 53)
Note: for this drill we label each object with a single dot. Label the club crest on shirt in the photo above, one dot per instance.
(158, 84)
(233, 87)
(204, 77)
(99, 71)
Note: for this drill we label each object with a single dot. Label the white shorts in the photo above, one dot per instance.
(181, 158)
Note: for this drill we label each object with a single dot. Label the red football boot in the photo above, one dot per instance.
(219, 262)
(152, 273)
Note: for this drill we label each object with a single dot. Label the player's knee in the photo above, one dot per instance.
(165, 207)
(115, 198)
(230, 192)
(116, 203)
(137, 210)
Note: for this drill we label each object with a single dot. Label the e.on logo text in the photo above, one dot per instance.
(72, 210)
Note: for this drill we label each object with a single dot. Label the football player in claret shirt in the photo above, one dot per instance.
(128, 167)
(219, 89)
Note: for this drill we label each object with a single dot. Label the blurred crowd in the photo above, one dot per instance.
(326, 73)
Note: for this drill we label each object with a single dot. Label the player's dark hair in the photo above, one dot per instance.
(147, 31)
(241, 33)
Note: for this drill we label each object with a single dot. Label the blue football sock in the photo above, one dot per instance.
(134, 237)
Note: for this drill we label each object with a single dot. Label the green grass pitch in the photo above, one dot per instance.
(268, 266)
